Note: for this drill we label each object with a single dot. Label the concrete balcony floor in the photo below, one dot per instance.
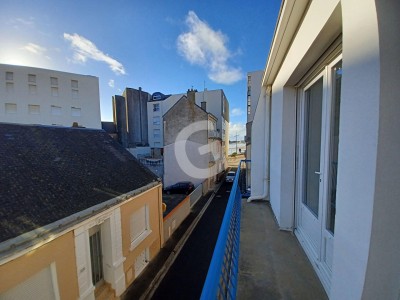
(272, 264)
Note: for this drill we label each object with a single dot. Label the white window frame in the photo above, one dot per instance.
(137, 239)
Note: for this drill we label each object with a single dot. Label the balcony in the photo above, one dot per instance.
(271, 265)
(214, 134)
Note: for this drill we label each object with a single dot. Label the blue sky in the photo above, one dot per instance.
(166, 46)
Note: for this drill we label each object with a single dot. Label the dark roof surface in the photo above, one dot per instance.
(49, 173)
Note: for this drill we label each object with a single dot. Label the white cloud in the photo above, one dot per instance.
(111, 83)
(85, 49)
(235, 112)
(238, 129)
(35, 49)
(205, 47)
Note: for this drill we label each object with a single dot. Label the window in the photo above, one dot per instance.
(139, 226)
(74, 84)
(9, 87)
(34, 109)
(75, 94)
(54, 81)
(249, 91)
(156, 107)
(55, 110)
(11, 108)
(75, 111)
(9, 76)
(157, 133)
(31, 78)
(54, 91)
(41, 285)
(248, 80)
(32, 89)
(156, 121)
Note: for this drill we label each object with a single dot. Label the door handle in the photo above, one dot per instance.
(317, 172)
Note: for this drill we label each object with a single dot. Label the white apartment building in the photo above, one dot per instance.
(214, 102)
(39, 96)
(155, 116)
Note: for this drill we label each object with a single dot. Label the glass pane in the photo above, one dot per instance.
(337, 84)
(96, 257)
(313, 119)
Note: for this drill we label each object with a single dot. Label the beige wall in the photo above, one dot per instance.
(59, 251)
(154, 241)
(176, 217)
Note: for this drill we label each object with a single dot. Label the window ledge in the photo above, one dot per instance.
(140, 239)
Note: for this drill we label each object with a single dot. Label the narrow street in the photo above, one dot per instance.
(186, 277)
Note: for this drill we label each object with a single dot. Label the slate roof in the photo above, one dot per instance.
(49, 173)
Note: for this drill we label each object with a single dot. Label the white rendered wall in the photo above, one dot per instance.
(165, 105)
(283, 118)
(367, 244)
(215, 102)
(173, 173)
(258, 150)
(87, 101)
(255, 86)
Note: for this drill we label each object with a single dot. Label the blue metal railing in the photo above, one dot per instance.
(221, 281)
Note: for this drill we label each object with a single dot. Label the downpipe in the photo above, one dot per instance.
(267, 146)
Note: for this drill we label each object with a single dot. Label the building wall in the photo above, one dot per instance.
(182, 159)
(156, 129)
(153, 241)
(365, 244)
(218, 105)
(176, 217)
(254, 80)
(120, 119)
(59, 252)
(136, 106)
(44, 102)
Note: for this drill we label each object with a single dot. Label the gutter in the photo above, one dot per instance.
(267, 147)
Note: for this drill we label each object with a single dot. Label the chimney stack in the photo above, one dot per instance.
(204, 105)
(191, 95)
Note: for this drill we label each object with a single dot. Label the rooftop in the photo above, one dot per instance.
(48, 173)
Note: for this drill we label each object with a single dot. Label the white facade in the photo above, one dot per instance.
(254, 80)
(331, 150)
(47, 97)
(217, 104)
(155, 112)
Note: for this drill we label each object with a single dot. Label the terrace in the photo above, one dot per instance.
(271, 264)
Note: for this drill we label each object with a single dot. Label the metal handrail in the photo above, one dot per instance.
(221, 280)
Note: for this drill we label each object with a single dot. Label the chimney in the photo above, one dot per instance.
(204, 105)
(191, 95)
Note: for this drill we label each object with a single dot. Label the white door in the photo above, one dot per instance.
(317, 168)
